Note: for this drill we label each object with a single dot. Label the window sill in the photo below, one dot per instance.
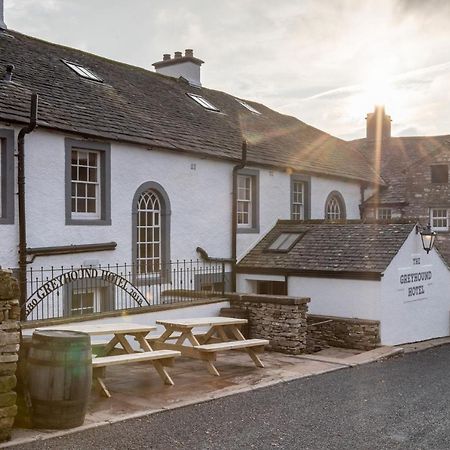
(253, 230)
(95, 222)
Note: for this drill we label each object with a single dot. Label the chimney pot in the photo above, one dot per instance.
(178, 55)
(189, 52)
(166, 57)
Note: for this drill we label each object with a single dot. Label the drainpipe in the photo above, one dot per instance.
(21, 195)
(362, 190)
(236, 169)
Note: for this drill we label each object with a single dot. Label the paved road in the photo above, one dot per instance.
(403, 403)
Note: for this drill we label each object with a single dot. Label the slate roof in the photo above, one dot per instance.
(140, 106)
(398, 154)
(349, 249)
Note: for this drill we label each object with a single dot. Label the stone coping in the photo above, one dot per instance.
(274, 299)
(122, 312)
(343, 319)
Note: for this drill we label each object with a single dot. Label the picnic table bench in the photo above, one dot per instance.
(160, 359)
(218, 338)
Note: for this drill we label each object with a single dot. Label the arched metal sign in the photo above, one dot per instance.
(75, 275)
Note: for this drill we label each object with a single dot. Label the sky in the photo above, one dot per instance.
(325, 62)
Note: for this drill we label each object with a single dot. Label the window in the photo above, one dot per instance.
(88, 297)
(335, 207)
(151, 227)
(148, 234)
(439, 219)
(246, 105)
(300, 200)
(284, 242)
(7, 177)
(88, 185)
(247, 201)
(203, 102)
(271, 287)
(439, 173)
(383, 213)
(85, 183)
(82, 303)
(83, 71)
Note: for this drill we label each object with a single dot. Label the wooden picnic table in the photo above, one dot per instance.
(120, 331)
(223, 334)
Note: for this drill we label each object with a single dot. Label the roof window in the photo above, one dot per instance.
(82, 71)
(203, 102)
(284, 242)
(246, 105)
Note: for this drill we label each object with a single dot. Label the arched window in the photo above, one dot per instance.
(151, 227)
(335, 207)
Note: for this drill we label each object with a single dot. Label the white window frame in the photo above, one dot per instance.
(203, 102)
(298, 207)
(441, 215)
(82, 71)
(381, 213)
(97, 184)
(96, 294)
(247, 106)
(333, 209)
(153, 230)
(245, 202)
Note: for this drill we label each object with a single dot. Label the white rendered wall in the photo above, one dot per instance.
(200, 202)
(329, 296)
(187, 69)
(411, 318)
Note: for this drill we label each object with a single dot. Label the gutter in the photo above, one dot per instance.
(236, 169)
(21, 198)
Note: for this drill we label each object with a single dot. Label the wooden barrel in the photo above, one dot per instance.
(59, 378)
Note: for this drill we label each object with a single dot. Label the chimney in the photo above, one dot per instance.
(186, 66)
(378, 124)
(2, 17)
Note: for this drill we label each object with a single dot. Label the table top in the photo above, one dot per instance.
(104, 328)
(201, 321)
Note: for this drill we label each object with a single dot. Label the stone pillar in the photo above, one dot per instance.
(280, 319)
(9, 348)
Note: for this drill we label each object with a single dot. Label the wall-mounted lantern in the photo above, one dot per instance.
(428, 237)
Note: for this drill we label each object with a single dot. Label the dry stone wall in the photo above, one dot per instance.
(280, 319)
(9, 348)
(328, 331)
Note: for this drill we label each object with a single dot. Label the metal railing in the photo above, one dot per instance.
(57, 292)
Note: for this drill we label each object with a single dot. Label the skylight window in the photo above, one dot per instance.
(246, 105)
(284, 242)
(82, 71)
(203, 102)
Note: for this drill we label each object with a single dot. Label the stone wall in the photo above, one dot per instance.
(280, 319)
(9, 347)
(329, 331)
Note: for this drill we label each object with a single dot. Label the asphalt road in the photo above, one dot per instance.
(402, 403)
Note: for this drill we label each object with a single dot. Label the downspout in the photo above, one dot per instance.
(21, 200)
(362, 190)
(236, 169)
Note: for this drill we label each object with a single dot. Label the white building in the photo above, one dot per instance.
(132, 166)
(363, 271)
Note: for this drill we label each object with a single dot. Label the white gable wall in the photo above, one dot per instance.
(407, 317)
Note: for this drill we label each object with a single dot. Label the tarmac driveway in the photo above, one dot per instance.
(402, 403)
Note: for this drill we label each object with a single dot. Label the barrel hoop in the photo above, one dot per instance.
(46, 363)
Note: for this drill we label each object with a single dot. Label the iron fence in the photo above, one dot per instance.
(56, 292)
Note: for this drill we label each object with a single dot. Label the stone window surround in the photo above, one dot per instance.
(164, 221)
(7, 176)
(104, 150)
(254, 228)
(340, 199)
(306, 180)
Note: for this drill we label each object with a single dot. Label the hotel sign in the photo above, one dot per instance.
(83, 274)
(415, 281)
